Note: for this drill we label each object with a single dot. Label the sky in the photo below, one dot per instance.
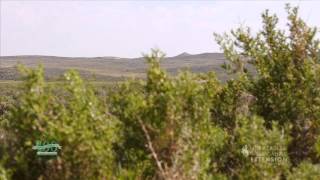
(129, 28)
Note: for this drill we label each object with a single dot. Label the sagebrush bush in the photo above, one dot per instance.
(75, 118)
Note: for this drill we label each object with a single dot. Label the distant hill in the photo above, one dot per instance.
(110, 68)
(184, 54)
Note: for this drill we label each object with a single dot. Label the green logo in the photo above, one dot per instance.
(46, 149)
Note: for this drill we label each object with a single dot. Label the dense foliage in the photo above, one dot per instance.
(262, 124)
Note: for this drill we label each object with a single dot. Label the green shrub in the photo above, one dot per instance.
(75, 119)
(286, 86)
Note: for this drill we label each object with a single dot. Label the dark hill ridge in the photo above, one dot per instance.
(110, 68)
(184, 54)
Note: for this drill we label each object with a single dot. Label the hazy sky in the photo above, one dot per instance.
(128, 28)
